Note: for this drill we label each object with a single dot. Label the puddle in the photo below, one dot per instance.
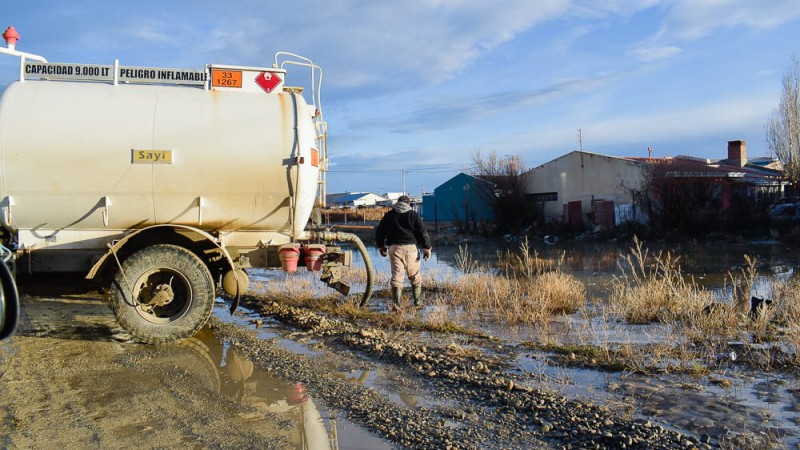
(245, 317)
(703, 408)
(574, 383)
(593, 263)
(382, 380)
(721, 404)
(729, 401)
(222, 369)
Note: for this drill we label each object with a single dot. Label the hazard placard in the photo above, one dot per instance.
(226, 78)
(268, 81)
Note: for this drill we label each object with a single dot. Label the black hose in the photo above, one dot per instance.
(370, 270)
(331, 236)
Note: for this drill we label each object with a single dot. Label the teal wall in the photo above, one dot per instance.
(459, 199)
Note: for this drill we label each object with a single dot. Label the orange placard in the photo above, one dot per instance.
(315, 157)
(226, 78)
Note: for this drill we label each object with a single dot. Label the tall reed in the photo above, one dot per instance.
(529, 289)
(654, 288)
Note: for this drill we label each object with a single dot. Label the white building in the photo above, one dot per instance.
(357, 199)
(580, 186)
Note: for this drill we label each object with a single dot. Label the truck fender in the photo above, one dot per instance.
(114, 247)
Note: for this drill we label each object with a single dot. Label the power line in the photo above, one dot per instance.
(395, 169)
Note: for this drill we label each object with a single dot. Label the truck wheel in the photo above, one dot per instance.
(9, 306)
(163, 293)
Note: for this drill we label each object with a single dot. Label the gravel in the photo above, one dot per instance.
(485, 405)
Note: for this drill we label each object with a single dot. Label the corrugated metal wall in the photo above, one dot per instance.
(462, 198)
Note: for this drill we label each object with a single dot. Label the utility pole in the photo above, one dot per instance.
(404, 180)
(580, 139)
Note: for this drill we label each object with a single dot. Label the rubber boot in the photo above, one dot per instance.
(397, 298)
(417, 293)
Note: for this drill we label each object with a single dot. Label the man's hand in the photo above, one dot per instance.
(384, 251)
(426, 253)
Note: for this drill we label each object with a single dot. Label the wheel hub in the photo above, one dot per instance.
(161, 295)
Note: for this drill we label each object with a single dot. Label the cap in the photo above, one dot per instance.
(404, 199)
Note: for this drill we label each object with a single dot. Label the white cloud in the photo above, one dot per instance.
(692, 19)
(727, 115)
(729, 118)
(446, 113)
(655, 53)
(594, 9)
(149, 31)
(430, 40)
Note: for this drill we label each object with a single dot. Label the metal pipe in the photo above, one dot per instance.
(23, 55)
(332, 236)
(316, 86)
(355, 227)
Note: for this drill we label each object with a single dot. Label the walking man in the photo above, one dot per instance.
(402, 230)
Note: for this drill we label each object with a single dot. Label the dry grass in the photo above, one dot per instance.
(711, 328)
(465, 262)
(654, 289)
(526, 263)
(784, 313)
(304, 292)
(532, 290)
(357, 275)
(529, 290)
(792, 338)
(293, 290)
(786, 301)
(353, 215)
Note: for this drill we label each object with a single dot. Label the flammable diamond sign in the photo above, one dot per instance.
(268, 81)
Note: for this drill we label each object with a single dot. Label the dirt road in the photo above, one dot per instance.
(72, 379)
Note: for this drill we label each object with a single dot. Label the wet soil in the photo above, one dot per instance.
(475, 398)
(71, 378)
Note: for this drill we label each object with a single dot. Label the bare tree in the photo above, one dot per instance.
(783, 126)
(511, 209)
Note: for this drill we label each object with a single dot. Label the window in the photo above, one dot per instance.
(543, 197)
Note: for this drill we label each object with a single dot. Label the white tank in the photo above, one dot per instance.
(160, 182)
(98, 157)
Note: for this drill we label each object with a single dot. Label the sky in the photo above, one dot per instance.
(412, 91)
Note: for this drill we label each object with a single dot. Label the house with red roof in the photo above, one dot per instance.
(589, 191)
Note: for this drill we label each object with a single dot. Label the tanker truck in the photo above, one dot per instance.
(160, 186)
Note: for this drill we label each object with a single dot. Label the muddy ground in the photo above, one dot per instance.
(71, 378)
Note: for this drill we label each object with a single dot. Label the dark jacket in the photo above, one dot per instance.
(402, 225)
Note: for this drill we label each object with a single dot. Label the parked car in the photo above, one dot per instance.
(785, 211)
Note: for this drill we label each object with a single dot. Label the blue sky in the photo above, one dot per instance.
(418, 87)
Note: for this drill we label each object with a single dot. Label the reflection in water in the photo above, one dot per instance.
(597, 262)
(367, 378)
(409, 399)
(593, 263)
(697, 406)
(362, 376)
(220, 368)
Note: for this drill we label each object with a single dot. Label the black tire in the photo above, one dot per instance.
(9, 315)
(193, 294)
